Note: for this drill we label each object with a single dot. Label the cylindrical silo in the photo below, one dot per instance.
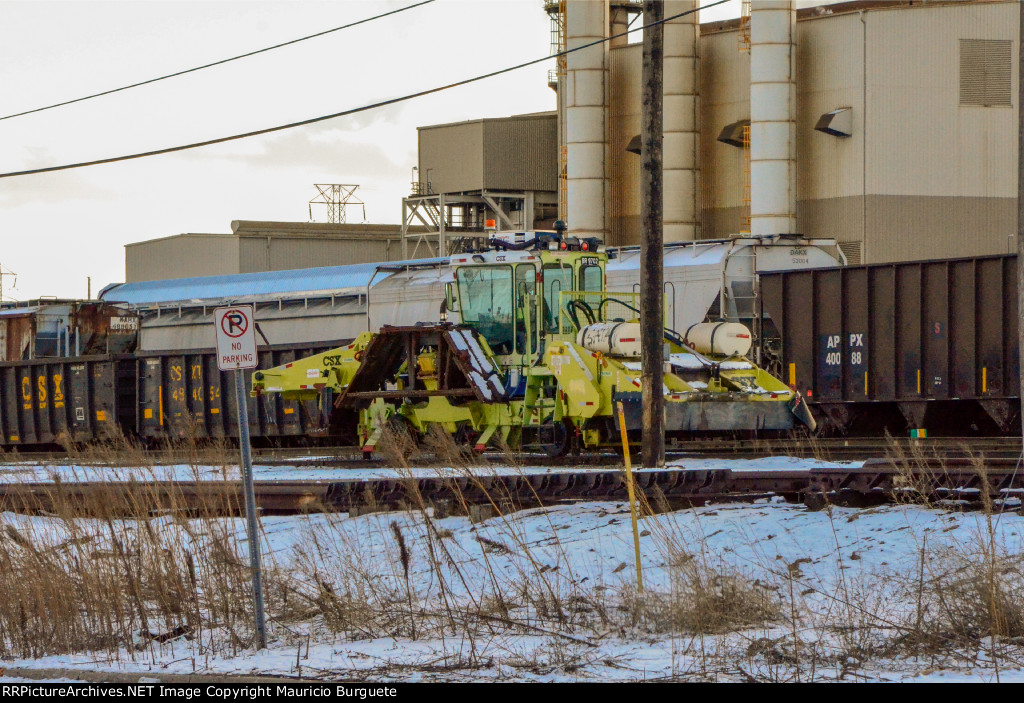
(773, 117)
(681, 114)
(619, 13)
(586, 21)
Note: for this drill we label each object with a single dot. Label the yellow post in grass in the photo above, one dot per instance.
(632, 497)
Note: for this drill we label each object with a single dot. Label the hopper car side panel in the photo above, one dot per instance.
(48, 401)
(183, 395)
(902, 346)
(155, 397)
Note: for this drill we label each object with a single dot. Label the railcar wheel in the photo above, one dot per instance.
(465, 438)
(560, 442)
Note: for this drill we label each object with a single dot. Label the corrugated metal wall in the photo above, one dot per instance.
(724, 99)
(266, 246)
(521, 153)
(511, 153)
(283, 253)
(624, 124)
(830, 60)
(922, 176)
(181, 256)
(451, 157)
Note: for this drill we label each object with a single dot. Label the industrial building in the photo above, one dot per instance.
(254, 246)
(504, 170)
(889, 126)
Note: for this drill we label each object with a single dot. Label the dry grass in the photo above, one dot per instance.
(134, 569)
(969, 595)
(120, 578)
(701, 601)
(108, 583)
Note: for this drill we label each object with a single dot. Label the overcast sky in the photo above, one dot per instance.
(57, 229)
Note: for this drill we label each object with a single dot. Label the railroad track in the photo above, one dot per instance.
(845, 448)
(824, 449)
(487, 493)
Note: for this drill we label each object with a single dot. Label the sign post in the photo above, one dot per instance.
(236, 350)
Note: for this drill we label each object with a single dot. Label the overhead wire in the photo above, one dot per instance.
(217, 63)
(355, 110)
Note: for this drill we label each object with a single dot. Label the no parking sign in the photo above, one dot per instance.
(236, 350)
(236, 337)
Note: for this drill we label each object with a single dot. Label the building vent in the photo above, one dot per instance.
(985, 70)
(732, 134)
(838, 123)
(852, 252)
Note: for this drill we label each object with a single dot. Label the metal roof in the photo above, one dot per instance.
(20, 312)
(266, 285)
(700, 254)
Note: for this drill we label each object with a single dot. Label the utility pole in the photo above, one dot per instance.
(652, 252)
(1020, 212)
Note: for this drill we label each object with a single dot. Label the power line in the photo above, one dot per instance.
(218, 63)
(352, 111)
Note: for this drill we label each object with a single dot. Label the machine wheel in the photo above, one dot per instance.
(465, 437)
(560, 443)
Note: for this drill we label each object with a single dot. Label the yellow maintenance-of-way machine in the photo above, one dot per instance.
(538, 358)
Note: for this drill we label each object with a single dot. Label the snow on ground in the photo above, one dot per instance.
(4, 679)
(768, 463)
(308, 470)
(841, 565)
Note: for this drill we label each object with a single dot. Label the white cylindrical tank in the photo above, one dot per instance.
(613, 338)
(719, 338)
(584, 103)
(681, 123)
(773, 117)
(618, 24)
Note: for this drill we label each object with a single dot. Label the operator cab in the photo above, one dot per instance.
(510, 293)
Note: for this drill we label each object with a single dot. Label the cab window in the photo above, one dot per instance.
(526, 288)
(556, 280)
(486, 302)
(593, 279)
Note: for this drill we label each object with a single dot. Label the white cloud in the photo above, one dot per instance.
(59, 228)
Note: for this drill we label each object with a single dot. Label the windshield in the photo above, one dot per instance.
(485, 300)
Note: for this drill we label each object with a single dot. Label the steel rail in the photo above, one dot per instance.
(824, 449)
(876, 482)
